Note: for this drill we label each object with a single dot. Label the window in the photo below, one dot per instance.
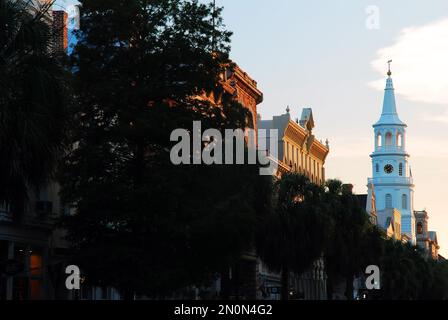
(378, 140)
(419, 228)
(399, 139)
(400, 169)
(20, 282)
(388, 139)
(404, 201)
(28, 285)
(377, 167)
(388, 201)
(293, 154)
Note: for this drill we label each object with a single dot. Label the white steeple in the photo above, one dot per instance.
(391, 178)
(389, 116)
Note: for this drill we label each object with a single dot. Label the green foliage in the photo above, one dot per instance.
(292, 235)
(354, 243)
(32, 107)
(407, 275)
(143, 224)
(439, 285)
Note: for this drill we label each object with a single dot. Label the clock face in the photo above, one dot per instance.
(388, 168)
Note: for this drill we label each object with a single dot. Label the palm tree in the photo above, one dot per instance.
(354, 241)
(291, 237)
(31, 102)
(405, 273)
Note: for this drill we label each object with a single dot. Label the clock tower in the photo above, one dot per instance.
(391, 176)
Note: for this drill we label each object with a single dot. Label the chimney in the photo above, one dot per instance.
(60, 32)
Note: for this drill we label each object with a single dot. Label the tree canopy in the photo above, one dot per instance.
(141, 70)
(32, 102)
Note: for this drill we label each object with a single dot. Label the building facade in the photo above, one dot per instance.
(298, 151)
(426, 239)
(29, 254)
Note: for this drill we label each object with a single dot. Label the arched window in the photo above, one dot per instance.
(419, 228)
(377, 167)
(388, 201)
(378, 140)
(404, 201)
(399, 139)
(388, 139)
(400, 169)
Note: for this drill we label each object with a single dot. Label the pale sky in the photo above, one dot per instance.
(321, 54)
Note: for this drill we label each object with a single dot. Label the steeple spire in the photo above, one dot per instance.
(388, 72)
(389, 114)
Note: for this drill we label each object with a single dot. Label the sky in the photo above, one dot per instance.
(331, 55)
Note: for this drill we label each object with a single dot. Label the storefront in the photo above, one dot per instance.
(23, 271)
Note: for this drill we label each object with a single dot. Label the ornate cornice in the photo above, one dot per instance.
(304, 138)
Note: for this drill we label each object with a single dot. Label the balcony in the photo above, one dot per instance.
(42, 216)
(390, 149)
(391, 180)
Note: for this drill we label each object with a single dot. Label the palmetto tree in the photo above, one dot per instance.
(354, 241)
(405, 273)
(31, 101)
(292, 236)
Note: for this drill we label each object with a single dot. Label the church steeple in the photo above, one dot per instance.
(391, 185)
(389, 115)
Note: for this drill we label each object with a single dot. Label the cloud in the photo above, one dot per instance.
(441, 118)
(420, 63)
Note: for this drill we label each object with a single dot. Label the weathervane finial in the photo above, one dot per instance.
(389, 72)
